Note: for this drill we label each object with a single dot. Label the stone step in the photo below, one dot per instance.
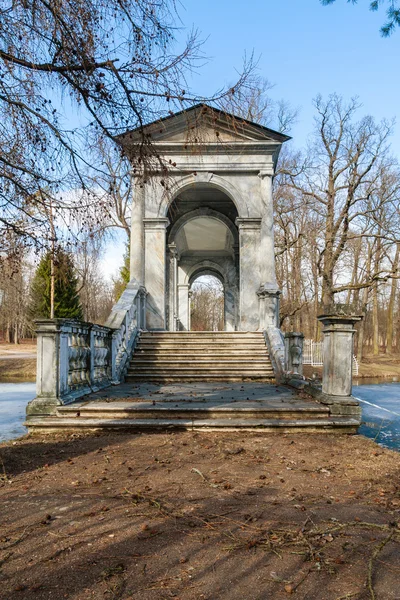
(202, 343)
(207, 353)
(194, 410)
(328, 424)
(255, 334)
(208, 377)
(213, 361)
(203, 368)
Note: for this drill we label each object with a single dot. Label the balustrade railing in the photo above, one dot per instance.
(75, 358)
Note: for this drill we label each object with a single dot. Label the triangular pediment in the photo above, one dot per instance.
(205, 124)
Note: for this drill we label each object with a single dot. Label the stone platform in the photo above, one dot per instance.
(213, 406)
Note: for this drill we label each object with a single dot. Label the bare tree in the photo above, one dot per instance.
(207, 305)
(253, 102)
(114, 61)
(347, 167)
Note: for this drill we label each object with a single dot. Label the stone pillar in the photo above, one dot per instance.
(51, 367)
(229, 308)
(155, 271)
(173, 283)
(183, 307)
(190, 294)
(249, 272)
(338, 354)
(294, 352)
(267, 249)
(137, 233)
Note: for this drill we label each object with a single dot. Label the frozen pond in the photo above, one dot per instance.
(380, 405)
(381, 412)
(13, 400)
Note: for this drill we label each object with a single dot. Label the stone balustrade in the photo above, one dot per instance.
(75, 358)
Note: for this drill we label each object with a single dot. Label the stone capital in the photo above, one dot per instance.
(344, 323)
(267, 172)
(294, 334)
(268, 291)
(172, 249)
(248, 223)
(156, 223)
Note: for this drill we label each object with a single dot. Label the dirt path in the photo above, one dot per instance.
(197, 516)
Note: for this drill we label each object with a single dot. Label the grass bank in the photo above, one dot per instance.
(23, 369)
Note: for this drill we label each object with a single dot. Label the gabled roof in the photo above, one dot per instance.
(202, 116)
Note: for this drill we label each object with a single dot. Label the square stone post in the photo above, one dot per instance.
(155, 272)
(294, 352)
(51, 367)
(249, 277)
(338, 353)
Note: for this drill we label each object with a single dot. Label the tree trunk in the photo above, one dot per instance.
(375, 304)
(392, 299)
(364, 305)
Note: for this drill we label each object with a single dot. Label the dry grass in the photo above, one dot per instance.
(23, 369)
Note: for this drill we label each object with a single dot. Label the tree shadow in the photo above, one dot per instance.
(192, 534)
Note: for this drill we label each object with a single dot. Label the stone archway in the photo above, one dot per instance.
(229, 280)
(226, 168)
(202, 239)
(207, 301)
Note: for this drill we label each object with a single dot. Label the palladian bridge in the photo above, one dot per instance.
(212, 214)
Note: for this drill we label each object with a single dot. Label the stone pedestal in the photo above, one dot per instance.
(268, 306)
(51, 367)
(294, 352)
(338, 353)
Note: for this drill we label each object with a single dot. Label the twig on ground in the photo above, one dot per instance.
(374, 555)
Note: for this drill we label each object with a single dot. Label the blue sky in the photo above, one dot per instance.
(304, 49)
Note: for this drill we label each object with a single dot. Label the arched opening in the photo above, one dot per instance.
(207, 303)
(203, 241)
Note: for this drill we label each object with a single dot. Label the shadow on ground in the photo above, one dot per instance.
(199, 516)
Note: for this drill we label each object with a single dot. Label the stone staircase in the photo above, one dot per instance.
(200, 356)
(194, 381)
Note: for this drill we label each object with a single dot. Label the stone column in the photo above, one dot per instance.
(269, 292)
(173, 282)
(137, 232)
(183, 307)
(338, 354)
(155, 272)
(229, 308)
(267, 249)
(190, 294)
(249, 272)
(294, 352)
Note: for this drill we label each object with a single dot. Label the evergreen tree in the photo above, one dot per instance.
(124, 275)
(66, 297)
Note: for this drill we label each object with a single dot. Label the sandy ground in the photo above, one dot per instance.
(199, 516)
